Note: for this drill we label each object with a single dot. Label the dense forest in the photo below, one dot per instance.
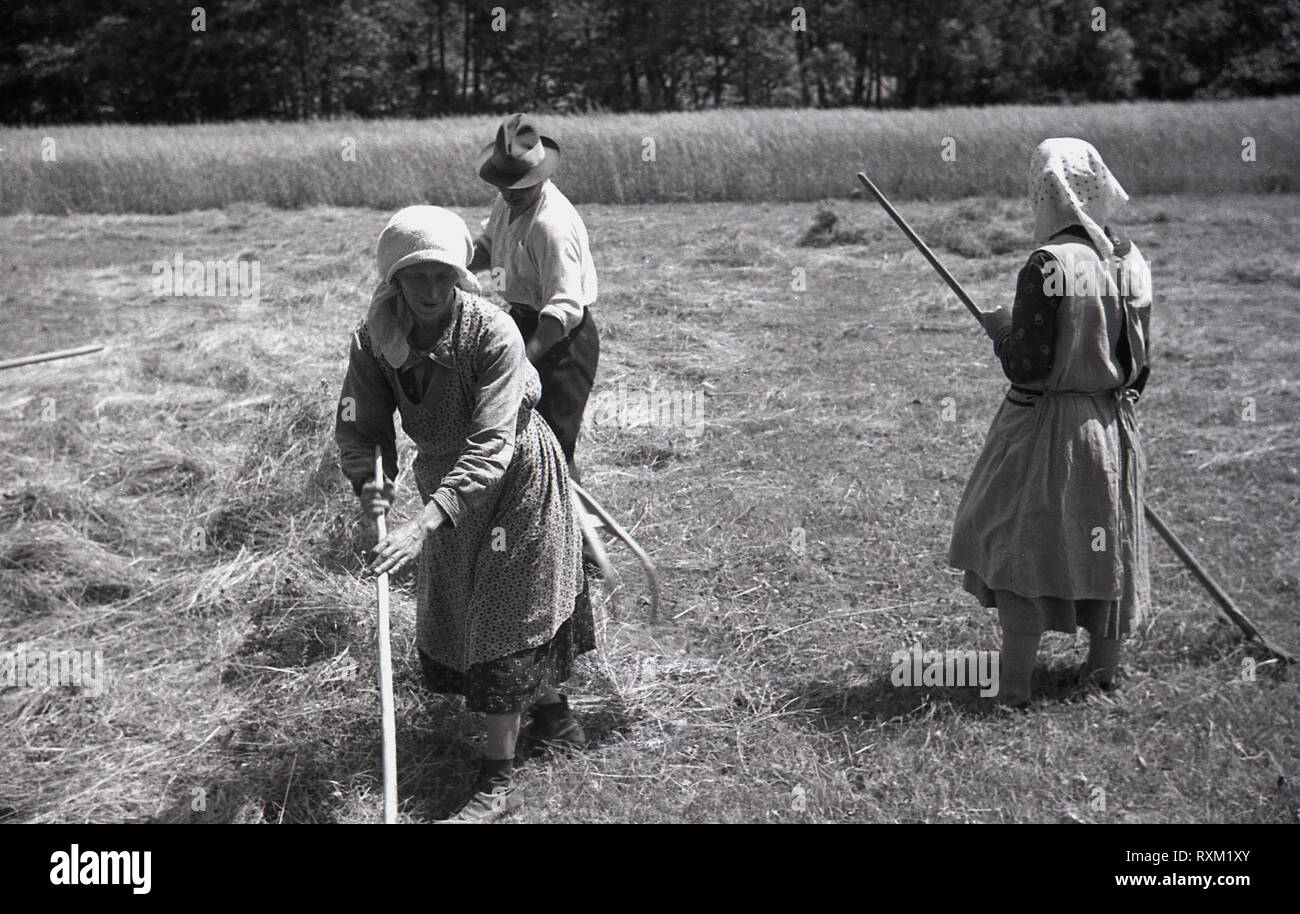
(139, 61)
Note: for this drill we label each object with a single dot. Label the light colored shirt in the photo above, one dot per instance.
(542, 257)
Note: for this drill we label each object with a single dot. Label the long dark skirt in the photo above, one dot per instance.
(507, 684)
(567, 374)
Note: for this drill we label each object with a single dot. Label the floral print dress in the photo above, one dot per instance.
(499, 580)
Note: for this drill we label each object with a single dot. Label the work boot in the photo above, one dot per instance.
(494, 795)
(1016, 668)
(554, 727)
(1102, 663)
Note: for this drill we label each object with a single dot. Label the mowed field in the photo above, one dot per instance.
(174, 502)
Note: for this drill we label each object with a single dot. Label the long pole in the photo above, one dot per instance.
(388, 723)
(616, 528)
(50, 356)
(1218, 593)
(922, 247)
(1198, 570)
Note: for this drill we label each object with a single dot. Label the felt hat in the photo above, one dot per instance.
(519, 157)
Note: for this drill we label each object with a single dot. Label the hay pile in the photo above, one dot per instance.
(48, 564)
(61, 547)
(826, 231)
(91, 517)
(980, 228)
(155, 474)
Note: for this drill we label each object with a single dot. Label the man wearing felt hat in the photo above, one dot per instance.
(536, 245)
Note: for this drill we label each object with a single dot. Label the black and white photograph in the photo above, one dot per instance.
(573, 412)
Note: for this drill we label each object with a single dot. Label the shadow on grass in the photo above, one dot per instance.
(835, 706)
(319, 776)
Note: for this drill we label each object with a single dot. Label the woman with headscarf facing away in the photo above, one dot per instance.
(1050, 529)
(502, 606)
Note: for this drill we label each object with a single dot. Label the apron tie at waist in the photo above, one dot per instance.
(1039, 391)
(1131, 519)
(1127, 424)
(1028, 396)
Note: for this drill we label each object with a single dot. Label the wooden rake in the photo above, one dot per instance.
(597, 548)
(388, 724)
(50, 356)
(1230, 609)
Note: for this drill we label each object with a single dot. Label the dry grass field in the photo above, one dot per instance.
(174, 502)
(757, 155)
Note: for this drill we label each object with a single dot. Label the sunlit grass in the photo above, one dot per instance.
(242, 664)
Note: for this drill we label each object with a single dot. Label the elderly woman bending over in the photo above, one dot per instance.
(502, 605)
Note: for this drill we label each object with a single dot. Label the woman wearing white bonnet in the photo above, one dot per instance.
(502, 606)
(1050, 529)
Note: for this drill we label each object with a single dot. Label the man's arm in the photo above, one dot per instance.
(482, 258)
(561, 275)
(550, 330)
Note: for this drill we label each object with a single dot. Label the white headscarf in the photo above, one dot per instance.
(416, 234)
(1069, 184)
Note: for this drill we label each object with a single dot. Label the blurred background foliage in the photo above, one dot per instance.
(65, 61)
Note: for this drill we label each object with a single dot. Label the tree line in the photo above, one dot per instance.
(161, 62)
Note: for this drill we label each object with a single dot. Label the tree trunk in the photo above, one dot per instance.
(478, 74)
(301, 48)
(465, 52)
(801, 56)
(539, 83)
(860, 56)
(878, 75)
(442, 55)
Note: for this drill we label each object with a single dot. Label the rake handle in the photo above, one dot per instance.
(1198, 571)
(652, 575)
(1218, 593)
(50, 356)
(388, 724)
(922, 247)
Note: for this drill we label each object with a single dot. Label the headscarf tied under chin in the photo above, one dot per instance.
(1069, 184)
(416, 234)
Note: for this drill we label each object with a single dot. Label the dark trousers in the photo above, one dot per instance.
(567, 373)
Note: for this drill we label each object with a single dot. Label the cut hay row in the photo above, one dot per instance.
(1220, 147)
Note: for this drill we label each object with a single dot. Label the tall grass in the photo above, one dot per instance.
(709, 156)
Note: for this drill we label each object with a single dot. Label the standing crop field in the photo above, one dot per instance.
(727, 155)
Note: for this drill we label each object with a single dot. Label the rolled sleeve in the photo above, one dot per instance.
(501, 380)
(562, 271)
(451, 504)
(365, 418)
